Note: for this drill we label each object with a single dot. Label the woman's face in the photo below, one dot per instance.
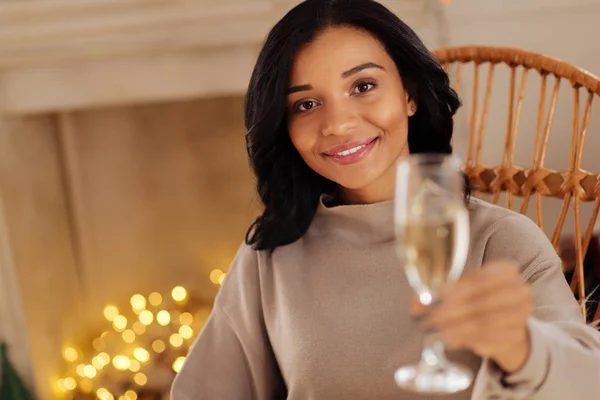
(348, 112)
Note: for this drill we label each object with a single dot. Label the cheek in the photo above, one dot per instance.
(389, 115)
(302, 139)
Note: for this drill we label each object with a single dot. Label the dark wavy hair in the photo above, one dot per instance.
(288, 188)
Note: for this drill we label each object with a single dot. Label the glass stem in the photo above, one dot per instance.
(432, 355)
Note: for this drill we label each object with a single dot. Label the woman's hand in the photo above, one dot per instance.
(486, 311)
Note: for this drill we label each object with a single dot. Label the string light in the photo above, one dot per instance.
(104, 358)
(178, 364)
(130, 342)
(141, 354)
(138, 302)
(70, 354)
(90, 371)
(134, 365)
(121, 362)
(70, 383)
(179, 293)
(186, 332)
(110, 312)
(128, 336)
(146, 317)
(131, 395)
(80, 370)
(222, 279)
(215, 275)
(139, 328)
(97, 363)
(104, 394)
(176, 340)
(155, 299)
(140, 379)
(119, 323)
(163, 318)
(158, 346)
(60, 385)
(186, 318)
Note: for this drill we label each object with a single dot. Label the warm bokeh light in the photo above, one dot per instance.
(131, 395)
(158, 346)
(80, 369)
(99, 344)
(121, 362)
(179, 293)
(138, 302)
(163, 318)
(139, 328)
(155, 299)
(97, 363)
(215, 275)
(146, 317)
(90, 371)
(104, 394)
(186, 332)
(70, 383)
(140, 379)
(104, 358)
(141, 354)
(119, 322)
(128, 336)
(110, 312)
(60, 385)
(134, 365)
(178, 364)
(70, 354)
(222, 279)
(176, 340)
(186, 318)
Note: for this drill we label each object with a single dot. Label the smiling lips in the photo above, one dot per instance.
(351, 152)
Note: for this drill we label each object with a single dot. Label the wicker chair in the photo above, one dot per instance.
(573, 185)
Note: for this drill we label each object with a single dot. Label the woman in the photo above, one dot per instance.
(315, 305)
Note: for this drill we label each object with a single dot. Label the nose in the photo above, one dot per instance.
(339, 120)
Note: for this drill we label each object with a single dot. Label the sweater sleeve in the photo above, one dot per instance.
(232, 358)
(564, 359)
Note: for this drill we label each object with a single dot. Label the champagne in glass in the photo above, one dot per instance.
(432, 238)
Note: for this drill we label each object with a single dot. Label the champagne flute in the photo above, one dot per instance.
(432, 241)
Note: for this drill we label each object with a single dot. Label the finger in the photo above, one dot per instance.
(489, 326)
(484, 338)
(481, 282)
(458, 310)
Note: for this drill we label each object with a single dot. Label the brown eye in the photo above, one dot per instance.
(363, 87)
(305, 105)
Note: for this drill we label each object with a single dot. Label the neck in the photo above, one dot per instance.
(365, 196)
(378, 191)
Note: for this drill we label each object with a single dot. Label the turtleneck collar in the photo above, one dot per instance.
(360, 223)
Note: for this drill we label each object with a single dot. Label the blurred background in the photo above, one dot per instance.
(124, 184)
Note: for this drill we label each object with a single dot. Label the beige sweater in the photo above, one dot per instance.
(327, 317)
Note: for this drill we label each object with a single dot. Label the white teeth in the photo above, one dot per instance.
(350, 151)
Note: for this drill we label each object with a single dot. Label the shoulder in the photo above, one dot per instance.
(242, 279)
(507, 234)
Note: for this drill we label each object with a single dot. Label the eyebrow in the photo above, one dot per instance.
(345, 74)
(359, 68)
(300, 88)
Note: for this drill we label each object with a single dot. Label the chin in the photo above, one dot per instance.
(355, 183)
